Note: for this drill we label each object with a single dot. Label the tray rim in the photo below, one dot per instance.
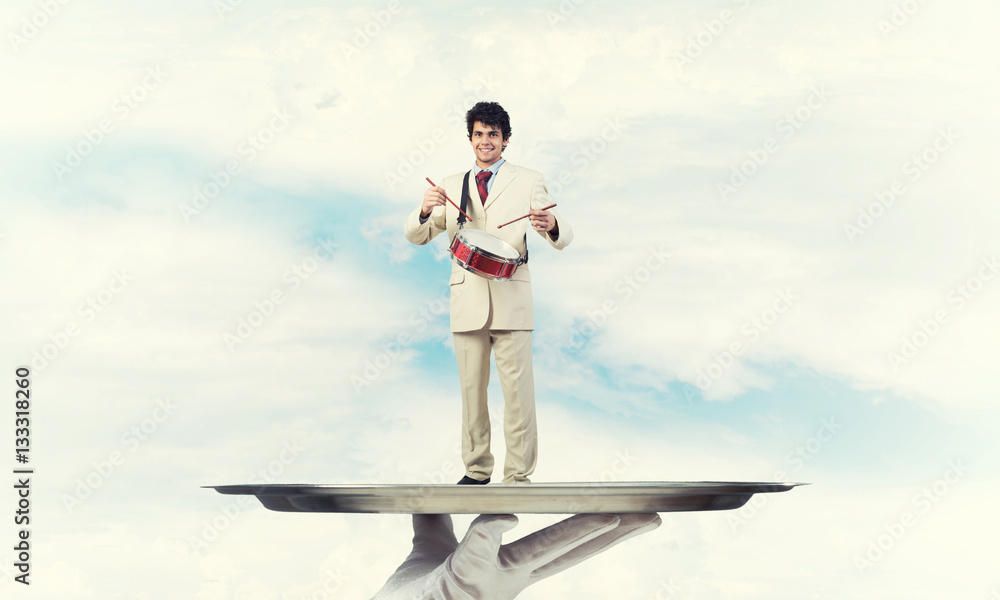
(557, 488)
(536, 498)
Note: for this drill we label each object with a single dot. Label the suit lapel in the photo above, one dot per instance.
(505, 175)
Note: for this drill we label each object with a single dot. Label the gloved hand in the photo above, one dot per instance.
(480, 568)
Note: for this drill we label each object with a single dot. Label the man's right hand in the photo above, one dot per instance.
(433, 197)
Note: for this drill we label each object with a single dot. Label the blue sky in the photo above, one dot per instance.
(722, 165)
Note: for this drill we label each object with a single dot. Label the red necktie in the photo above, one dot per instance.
(481, 178)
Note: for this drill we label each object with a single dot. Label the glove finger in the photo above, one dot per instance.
(546, 545)
(433, 535)
(481, 544)
(630, 526)
(433, 541)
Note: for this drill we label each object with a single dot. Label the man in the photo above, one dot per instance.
(486, 314)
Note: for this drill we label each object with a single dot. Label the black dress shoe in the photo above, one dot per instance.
(466, 480)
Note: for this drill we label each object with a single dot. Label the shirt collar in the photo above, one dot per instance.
(492, 168)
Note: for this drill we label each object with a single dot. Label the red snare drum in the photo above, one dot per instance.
(480, 253)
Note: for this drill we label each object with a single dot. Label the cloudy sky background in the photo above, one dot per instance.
(132, 297)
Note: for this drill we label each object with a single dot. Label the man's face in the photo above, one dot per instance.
(487, 143)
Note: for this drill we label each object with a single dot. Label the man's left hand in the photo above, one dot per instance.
(543, 221)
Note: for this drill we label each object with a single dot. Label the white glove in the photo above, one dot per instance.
(439, 568)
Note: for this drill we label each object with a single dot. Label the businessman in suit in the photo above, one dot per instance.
(488, 315)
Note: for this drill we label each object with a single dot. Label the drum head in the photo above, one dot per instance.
(485, 242)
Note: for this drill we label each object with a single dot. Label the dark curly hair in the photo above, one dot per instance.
(490, 114)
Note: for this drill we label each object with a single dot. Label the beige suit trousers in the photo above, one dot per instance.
(512, 350)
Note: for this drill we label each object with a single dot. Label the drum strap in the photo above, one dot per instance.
(467, 206)
(465, 200)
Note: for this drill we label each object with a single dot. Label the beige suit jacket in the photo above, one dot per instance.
(515, 190)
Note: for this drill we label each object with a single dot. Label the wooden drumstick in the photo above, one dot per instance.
(524, 217)
(449, 199)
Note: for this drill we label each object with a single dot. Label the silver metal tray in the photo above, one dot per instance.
(548, 498)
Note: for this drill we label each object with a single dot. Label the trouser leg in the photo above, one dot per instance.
(513, 358)
(472, 349)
